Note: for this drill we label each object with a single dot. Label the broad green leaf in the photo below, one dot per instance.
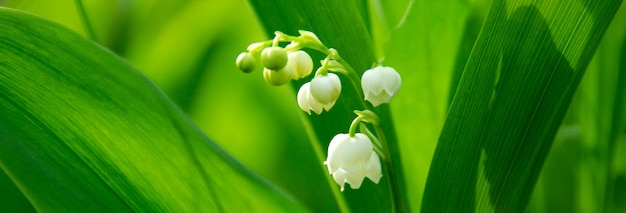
(192, 58)
(579, 173)
(12, 198)
(512, 97)
(429, 47)
(339, 25)
(82, 130)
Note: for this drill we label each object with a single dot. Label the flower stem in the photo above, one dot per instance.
(377, 146)
(353, 126)
(394, 183)
(355, 80)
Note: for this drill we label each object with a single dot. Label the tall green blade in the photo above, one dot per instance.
(12, 198)
(339, 25)
(579, 173)
(82, 130)
(512, 97)
(429, 48)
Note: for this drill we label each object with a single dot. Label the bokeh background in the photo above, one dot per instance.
(188, 48)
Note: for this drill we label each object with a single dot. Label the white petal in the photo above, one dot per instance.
(340, 177)
(351, 159)
(316, 106)
(354, 179)
(326, 88)
(334, 143)
(373, 170)
(307, 103)
(329, 105)
(349, 153)
(378, 99)
(391, 80)
(302, 98)
(370, 81)
(380, 84)
(301, 63)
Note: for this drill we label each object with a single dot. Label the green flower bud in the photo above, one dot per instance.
(277, 77)
(274, 58)
(245, 62)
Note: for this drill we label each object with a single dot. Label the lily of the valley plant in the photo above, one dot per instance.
(352, 156)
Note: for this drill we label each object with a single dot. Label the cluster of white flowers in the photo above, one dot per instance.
(380, 84)
(351, 157)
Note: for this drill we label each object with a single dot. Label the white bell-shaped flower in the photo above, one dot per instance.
(306, 102)
(351, 159)
(326, 88)
(301, 63)
(380, 84)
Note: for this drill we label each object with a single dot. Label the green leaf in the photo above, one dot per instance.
(339, 25)
(82, 130)
(12, 198)
(512, 97)
(580, 173)
(428, 48)
(192, 59)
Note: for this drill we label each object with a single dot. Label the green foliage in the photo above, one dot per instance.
(514, 93)
(79, 121)
(484, 110)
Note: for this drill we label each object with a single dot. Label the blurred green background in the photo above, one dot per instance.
(188, 49)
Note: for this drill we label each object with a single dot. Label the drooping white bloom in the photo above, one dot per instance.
(306, 102)
(380, 84)
(351, 159)
(301, 63)
(326, 88)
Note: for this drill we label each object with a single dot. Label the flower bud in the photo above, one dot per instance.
(301, 63)
(326, 88)
(351, 159)
(245, 62)
(274, 58)
(380, 84)
(277, 77)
